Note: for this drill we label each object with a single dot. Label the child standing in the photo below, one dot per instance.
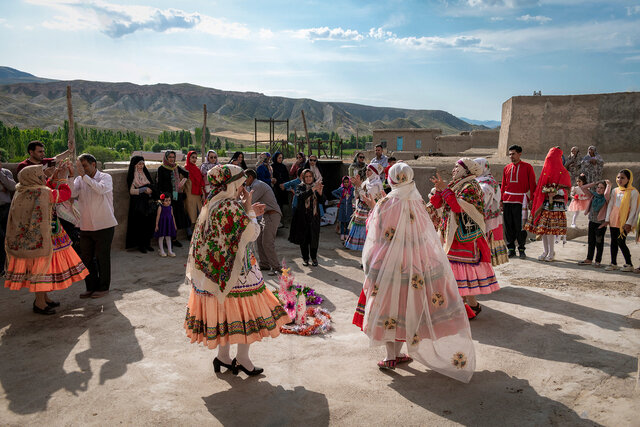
(580, 198)
(345, 206)
(621, 218)
(165, 225)
(598, 199)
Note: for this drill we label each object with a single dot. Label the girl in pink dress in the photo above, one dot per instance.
(579, 198)
(409, 293)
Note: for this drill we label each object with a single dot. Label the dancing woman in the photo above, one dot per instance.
(39, 252)
(463, 231)
(409, 293)
(229, 302)
(371, 188)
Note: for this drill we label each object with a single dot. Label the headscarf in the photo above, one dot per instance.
(553, 174)
(411, 293)
(219, 245)
(206, 165)
(195, 176)
(175, 173)
(357, 163)
(309, 200)
(28, 234)
(346, 191)
(486, 178)
(313, 168)
(297, 164)
(625, 204)
(136, 178)
(374, 182)
(263, 158)
(235, 156)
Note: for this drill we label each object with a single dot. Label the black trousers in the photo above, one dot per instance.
(95, 252)
(4, 217)
(305, 248)
(596, 241)
(618, 241)
(513, 231)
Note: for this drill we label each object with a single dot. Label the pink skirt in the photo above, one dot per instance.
(578, 205)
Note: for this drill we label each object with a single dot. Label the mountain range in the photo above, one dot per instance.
(28, 101)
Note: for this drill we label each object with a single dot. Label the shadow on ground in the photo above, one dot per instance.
(29, 386)
(247, 397)
(499, 399)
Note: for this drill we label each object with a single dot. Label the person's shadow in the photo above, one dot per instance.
(34, 352)
(250, 401)
(490, 399)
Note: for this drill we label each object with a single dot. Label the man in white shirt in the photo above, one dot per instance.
(94, 190)
(380, 158)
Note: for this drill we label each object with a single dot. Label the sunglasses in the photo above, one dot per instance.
(361, 157)
(312, 160)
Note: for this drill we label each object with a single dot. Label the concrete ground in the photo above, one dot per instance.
(558, 344)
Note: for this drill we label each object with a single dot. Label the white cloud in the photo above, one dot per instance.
(265, 33)
(380, 33)
(496, 18)
(528, 18)
(464, 42)
(502, 3)
(117, 21)
(632, 10)
(326, 33)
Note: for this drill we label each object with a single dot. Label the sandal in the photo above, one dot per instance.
(477, 309)
(387, 364)
(403, 358)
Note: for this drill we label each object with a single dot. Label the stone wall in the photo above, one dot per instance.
(609, 121)
(388, 138)
(455, 144)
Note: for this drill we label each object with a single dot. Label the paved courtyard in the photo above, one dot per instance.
(558, 344)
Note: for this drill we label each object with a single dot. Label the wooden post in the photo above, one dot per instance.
(71, 139)
(306, 133)
(204, 136)
(255, 137)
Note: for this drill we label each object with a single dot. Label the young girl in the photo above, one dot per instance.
(548, 216)
(597, 211)
(345, 206)
(165, 224)
(580, 198)
(621, 218)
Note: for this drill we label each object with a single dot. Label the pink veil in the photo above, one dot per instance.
(410, 290)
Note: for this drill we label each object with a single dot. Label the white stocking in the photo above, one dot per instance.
(391, 350)
(223, 354)
(575, 215)
(243, 356)
(545, 245)
(169, 247)
(398, 347)
(551, 240)
(160, 245)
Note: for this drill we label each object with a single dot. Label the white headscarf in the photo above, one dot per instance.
(411, 293)
(373, 184)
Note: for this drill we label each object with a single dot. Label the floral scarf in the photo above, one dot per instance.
(217, 249)
(175, 173)
(29, 224)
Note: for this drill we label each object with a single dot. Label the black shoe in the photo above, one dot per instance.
(217, 363)
(512, 253)
(46, 311)
(314, 263)
(149, 248)
(477, 309)
(142, 250)
(236, 367)
(522, 255)
(305, 262)
(177, 244)
(53, 304)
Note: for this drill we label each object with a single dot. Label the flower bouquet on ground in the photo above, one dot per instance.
(295, 298)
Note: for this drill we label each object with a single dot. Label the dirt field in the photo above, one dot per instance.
(557, 345)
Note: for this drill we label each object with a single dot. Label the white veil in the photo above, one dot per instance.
(411, 293)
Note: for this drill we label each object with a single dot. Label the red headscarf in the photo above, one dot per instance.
(553, 174)
(195, 176)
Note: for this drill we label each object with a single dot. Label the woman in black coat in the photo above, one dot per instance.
(305, 225)
(171, 179)
(142, 206)
(281, 175)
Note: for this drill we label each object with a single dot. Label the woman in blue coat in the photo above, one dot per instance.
(345, 207)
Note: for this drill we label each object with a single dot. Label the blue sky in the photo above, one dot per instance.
(463, 56)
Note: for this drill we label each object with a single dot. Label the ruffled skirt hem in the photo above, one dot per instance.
(475, 279)
(239, 320)
(65, 269)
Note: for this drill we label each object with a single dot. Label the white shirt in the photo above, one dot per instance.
(95, 201)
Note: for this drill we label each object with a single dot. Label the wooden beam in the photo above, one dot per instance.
(204, 135)
(306, 133)
(71, 139)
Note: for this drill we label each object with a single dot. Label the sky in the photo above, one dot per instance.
(466, 57)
